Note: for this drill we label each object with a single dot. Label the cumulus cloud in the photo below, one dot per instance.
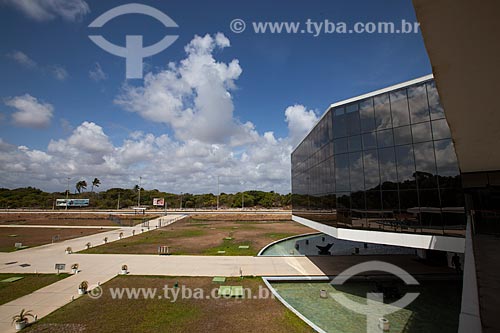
(300, 121)
(46, 10)
(30, 112)
(97, 74)
(194, 98)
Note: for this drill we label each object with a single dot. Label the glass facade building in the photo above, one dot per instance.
(384, 161)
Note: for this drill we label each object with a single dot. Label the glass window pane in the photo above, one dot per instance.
(409, 211)
(436, 109)
(399, 108)
(367, 115)
(356, 171)
(440, 129)
(421, 132)
(372, 176)
(406, 167)
(402, 135)
(355, 143)
(417, 99)
(388, 175)
(369, 141)
(425, 164)
(385, 138)
(353, 122)
(339, 111)
(358, 200)
(341, 172)
(373, 200)
(382, 111)
(446, 160)
(430, 211)
(340, 146)
(390, 200)
(339, 127)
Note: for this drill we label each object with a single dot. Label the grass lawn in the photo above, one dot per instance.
(162, 315)
(38, 236)
(9, 291)
(206, 237)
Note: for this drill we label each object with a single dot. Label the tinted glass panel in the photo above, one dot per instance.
(440, 129)
(446, 159)
(399, 108)
(356, 171)
(353, 124)
(390, 200)
(434, 103)
(367, 115)
(421, 132)
(340, 146)
(355, 143)
(382, 111)
(339, 125)
(373, 200)
(409, 211)
(426, 165)
(402, 135)
(385, 138)
(417, 99)
(406, 167)
(369, 141)
(341, 172)
(388, 175)
(370, 162)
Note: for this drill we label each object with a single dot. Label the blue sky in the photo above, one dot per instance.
(46, 55)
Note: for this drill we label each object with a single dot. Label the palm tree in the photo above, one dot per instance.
(81, 185)
(95, 183)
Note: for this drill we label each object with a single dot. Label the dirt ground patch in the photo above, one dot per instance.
(74, 219)
(38, 236)
(184, 315)
(201, 237)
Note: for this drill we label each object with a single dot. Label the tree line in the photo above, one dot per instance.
(30, 197)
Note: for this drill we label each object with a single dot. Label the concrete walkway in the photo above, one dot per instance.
(42, 259)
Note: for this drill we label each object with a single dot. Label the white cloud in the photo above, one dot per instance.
(30, 112)
(97, 74)
(300, 121)
(46, 10)
(58, 72)
(22, 59)
(194, 98)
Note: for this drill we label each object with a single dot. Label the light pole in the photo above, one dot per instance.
(118, 204)
(218, 192)
(180, 206)
(67, 195)
(139, 197)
